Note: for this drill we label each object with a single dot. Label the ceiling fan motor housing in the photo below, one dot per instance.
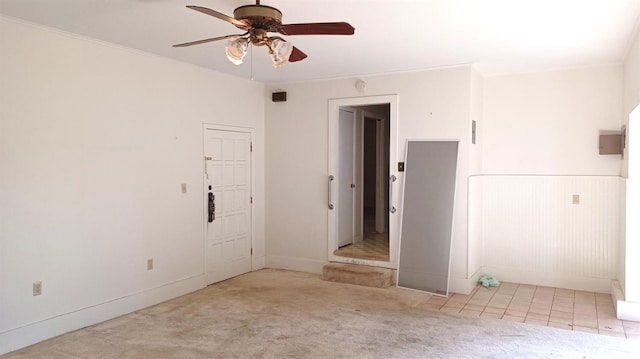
(260, 16)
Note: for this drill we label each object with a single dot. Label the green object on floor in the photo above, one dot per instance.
(488, 281)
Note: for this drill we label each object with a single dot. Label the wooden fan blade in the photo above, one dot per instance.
(297, 55)
(317, 28)
(241, 24)
(209, 40)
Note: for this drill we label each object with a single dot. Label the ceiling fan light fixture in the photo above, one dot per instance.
(279, 50)
(236, 49)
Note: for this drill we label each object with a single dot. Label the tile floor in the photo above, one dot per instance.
(373, 247)
(553, 307)
(546, 306)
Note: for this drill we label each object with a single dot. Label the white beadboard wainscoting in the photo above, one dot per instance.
(534, 233)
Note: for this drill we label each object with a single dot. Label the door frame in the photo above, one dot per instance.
(203, 193)
(332, 170)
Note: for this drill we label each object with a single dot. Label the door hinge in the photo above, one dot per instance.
(251, 200)
(251, 251)
(251, 146)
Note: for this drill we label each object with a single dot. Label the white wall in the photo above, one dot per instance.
(95, 141)
(540, 148)
(632, 227)
(432, 105)
(533, 233)
(632, 75)
(475, 184)
(626, 291)
(631, 101)
(629, 241)
(631, 90)
(527, 125)
(548, 123)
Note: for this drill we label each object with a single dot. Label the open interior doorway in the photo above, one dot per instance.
(363, 149)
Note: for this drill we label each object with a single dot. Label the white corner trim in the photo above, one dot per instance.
(624, 310)
(29, 334)
(462, 285)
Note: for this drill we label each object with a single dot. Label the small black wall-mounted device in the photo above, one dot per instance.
(279, 96)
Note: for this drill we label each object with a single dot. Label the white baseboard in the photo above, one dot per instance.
(297, 264)
(624, 310)
(29, 334)
(466, 285)
(558, 280)
(463, 285)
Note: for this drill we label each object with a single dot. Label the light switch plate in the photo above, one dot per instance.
(37, 288)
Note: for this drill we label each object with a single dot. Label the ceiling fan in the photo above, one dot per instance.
(259, 20)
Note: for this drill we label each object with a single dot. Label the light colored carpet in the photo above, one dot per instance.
(284, 314)
(359, 275)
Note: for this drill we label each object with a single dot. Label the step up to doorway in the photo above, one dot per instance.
(357, 274)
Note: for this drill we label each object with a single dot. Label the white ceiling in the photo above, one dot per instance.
(498, 36)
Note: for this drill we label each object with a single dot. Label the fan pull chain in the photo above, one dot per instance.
(251, 59)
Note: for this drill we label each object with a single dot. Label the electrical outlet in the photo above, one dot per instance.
(184, 188)
(575, 199)
(150, 264)
(37, 288)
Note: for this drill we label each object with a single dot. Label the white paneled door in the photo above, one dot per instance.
(346, 180)
(227, 203)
